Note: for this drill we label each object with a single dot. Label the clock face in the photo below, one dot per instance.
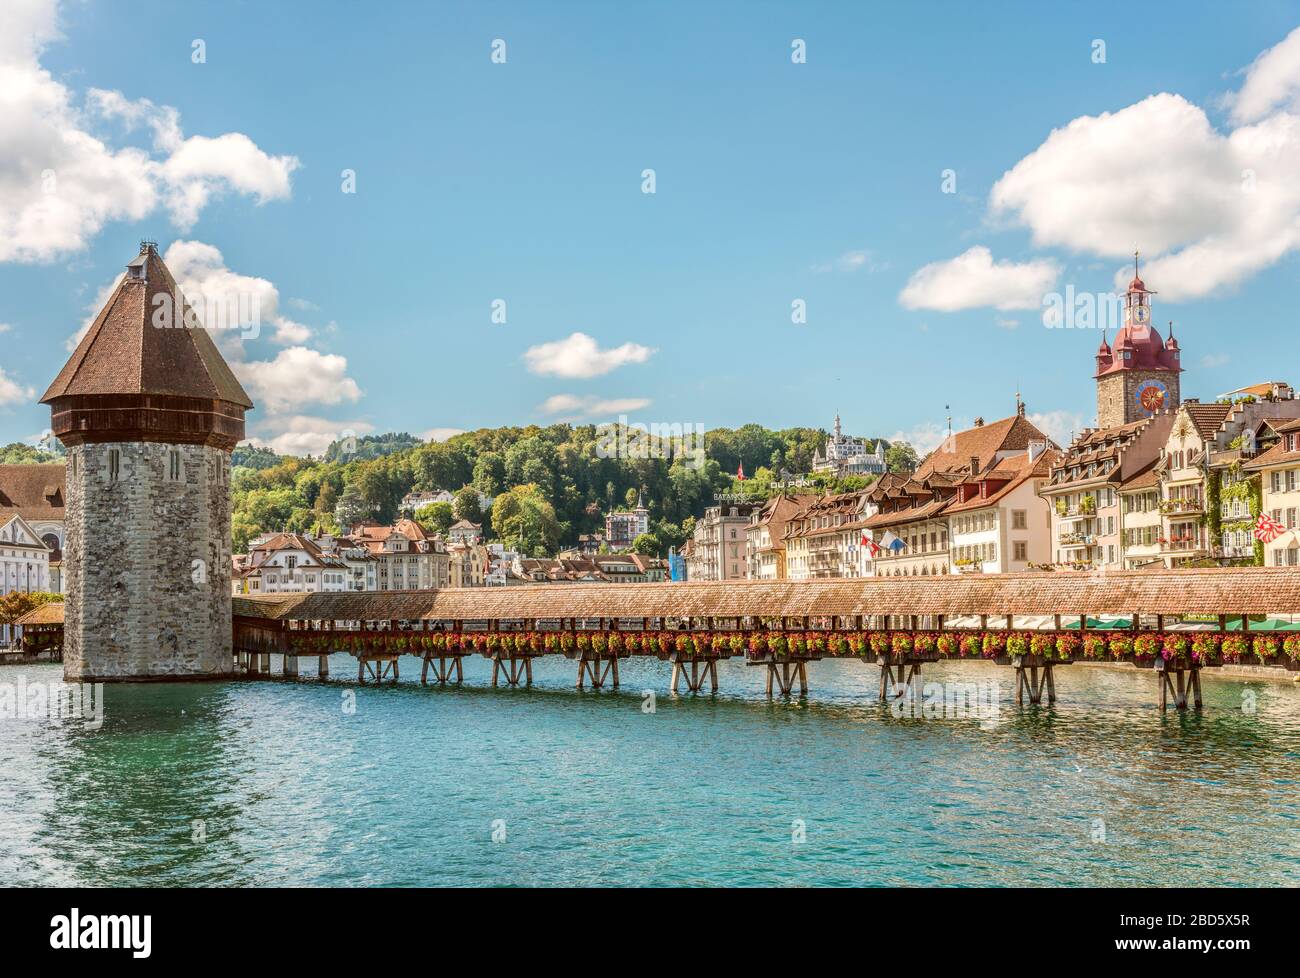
(1141, 314)
(1151, 396)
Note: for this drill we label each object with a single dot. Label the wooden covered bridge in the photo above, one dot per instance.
(1175, 622)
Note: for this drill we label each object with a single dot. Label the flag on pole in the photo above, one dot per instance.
(740, 472)
(891, 542)
(871, 544)
(1268, 529)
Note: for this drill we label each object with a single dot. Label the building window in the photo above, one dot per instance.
(1018, 520)
(174, 470)
(1021, 550)
(114, 464)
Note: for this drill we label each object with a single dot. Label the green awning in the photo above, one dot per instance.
(1098, 625)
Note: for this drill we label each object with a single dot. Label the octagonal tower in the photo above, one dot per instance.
(150, 412)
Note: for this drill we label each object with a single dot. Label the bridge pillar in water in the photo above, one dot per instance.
(896, 677)
(323, 666)
(377, 664)
(446, 668)
(598, 669)
(512, 669)
(1033, 675)
(689, 669)
(149, 412)
(785, 674)
(1179, 681)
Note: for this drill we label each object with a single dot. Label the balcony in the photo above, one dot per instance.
(1183, 544)
(1186, 505)
(1077, 539)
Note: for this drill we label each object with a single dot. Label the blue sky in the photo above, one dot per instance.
(775, 182)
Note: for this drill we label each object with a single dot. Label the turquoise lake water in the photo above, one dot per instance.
(275, 782)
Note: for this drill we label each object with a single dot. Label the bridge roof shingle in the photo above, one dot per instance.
(1260, 590)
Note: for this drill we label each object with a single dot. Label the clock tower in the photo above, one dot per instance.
(1138, 376)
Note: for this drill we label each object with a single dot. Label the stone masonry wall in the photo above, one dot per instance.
(148, 563)
(1117, 392)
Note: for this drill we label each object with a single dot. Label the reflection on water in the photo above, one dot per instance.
(284, 782)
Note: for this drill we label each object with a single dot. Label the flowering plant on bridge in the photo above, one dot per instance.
(1067, 645)
(923, 642)
(1120, 646)
(947, 645)
(1146, 645)
(1205, 646)
(993, 645)
(900, 643)
(1265, 647)
(1291, 646)
(1043, 645)
(1233, 648)
(777, 643)
(1017, 644)
(1174, 647)
(879, 642)
(757, 645)
(970, 646)
(1094, 647)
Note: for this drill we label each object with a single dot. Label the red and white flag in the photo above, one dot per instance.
(740, 472)
(1268, 529)
(868, 542)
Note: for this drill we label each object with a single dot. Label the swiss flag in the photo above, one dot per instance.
(740, 472)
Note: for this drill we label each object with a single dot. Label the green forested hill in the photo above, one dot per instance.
(566, 485)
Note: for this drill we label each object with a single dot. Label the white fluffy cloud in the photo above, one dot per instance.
(578, 355)
(304, 434)
(242, 301)
(1209, 208)
(11, 392)
(974, 279)
(297, 376)
(571, 407)
(1060, 426)
(61, 179)
(1272, 82)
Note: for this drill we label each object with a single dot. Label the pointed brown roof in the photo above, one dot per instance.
(124, 353)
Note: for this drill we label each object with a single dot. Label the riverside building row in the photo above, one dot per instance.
(1162, 482)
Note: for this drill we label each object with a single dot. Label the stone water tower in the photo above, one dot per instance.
(149, 412)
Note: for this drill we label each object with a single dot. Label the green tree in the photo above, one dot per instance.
(900, 457)
(351, 508)
(435, 518)
(526, 521)
(466, 505)
(490, 473)
(648, 545)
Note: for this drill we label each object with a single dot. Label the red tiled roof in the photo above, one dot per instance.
(34, 492)
(1147, 477)
(1207, 418)
(1009, 434)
